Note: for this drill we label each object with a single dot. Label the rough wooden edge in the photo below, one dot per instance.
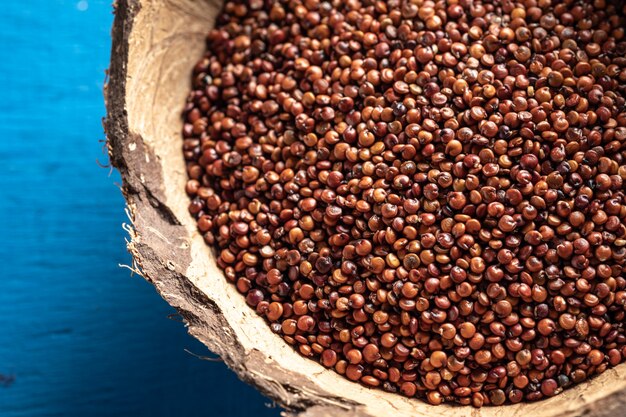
(143, 190)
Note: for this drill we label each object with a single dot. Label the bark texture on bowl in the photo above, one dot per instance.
(155, 45)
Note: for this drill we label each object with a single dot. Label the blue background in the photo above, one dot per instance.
(80, 336)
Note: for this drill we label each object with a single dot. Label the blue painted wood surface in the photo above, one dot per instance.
(79, 336)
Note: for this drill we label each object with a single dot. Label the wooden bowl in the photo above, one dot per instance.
(155, 46)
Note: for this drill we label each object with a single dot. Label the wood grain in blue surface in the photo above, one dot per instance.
(80, 336)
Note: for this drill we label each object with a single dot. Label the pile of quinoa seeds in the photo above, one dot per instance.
(426, 197)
